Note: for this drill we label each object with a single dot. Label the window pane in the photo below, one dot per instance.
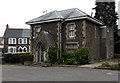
(14, 49)
(25, 41)
(71, 34)
(13, 41)
(71, 31)
(24, 49)
(71, 27)
(11, 49)
(20, 41)
(20, 50)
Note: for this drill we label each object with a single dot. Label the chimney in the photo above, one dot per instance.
(7, 26)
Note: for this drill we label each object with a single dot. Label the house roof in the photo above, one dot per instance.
(105, 0)
(69, 14)
(16, 33)
(45, 38)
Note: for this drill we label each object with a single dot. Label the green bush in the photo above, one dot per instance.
(70, 61)
(105, 64)
(24, 58)
(82, 56)
(52, 54)
(118, 64)
(60, 60)
(115, 65)
(116, 55)
(11, 58)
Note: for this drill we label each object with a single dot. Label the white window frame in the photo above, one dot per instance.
(11, 40)
(24, 41)
(11, 47)
(29, 49)
(71, 46)
(20, 48)
(71, 30)
(24, 48)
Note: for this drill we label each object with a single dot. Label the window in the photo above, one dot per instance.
(29, 48)
(38, 29)
(71, 30)
(22, 41)
(12, 41)
(22, 49)
(71, 46)
(29, 41)
(11, 49)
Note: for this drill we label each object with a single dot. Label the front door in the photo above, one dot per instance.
(41, 53)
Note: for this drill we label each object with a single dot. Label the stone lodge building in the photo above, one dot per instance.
(69, 30)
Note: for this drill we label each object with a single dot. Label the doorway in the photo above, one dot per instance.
(41, 55)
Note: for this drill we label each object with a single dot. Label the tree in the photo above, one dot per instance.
(105, 11)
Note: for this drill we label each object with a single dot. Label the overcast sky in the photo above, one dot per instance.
(17, 12)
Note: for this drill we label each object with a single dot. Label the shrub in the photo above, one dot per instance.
(70, 61)
(60, 60)
(82, 56)
(116, 55)
(24, 58)
(11, 58)
(118, 64)
(105, 64)
(52, 54)
(114, 65)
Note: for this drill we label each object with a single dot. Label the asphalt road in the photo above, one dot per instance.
(27, 73)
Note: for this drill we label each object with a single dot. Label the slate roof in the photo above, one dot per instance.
(16, 33)
(46, 38)
(105, 0)
(69, 14)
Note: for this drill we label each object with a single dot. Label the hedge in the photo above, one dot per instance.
(13, 57)
(24, 58)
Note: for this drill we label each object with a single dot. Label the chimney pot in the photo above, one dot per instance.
(7, 26)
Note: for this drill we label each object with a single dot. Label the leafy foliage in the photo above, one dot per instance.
(52, 54)
(16, 57)
(105, 64)
(105, 11)
(11, 58)
(24, 58)
(82, 56)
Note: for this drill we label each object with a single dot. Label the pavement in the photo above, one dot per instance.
(29, 73)
(90, 65)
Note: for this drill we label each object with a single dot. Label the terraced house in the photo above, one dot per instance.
(16, 40)
(69, 30)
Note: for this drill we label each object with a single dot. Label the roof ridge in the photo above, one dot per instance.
(58, 14)
(18, 29)
(80, 11)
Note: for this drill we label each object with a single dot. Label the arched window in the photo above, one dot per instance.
(24, 49)
(20, 49)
